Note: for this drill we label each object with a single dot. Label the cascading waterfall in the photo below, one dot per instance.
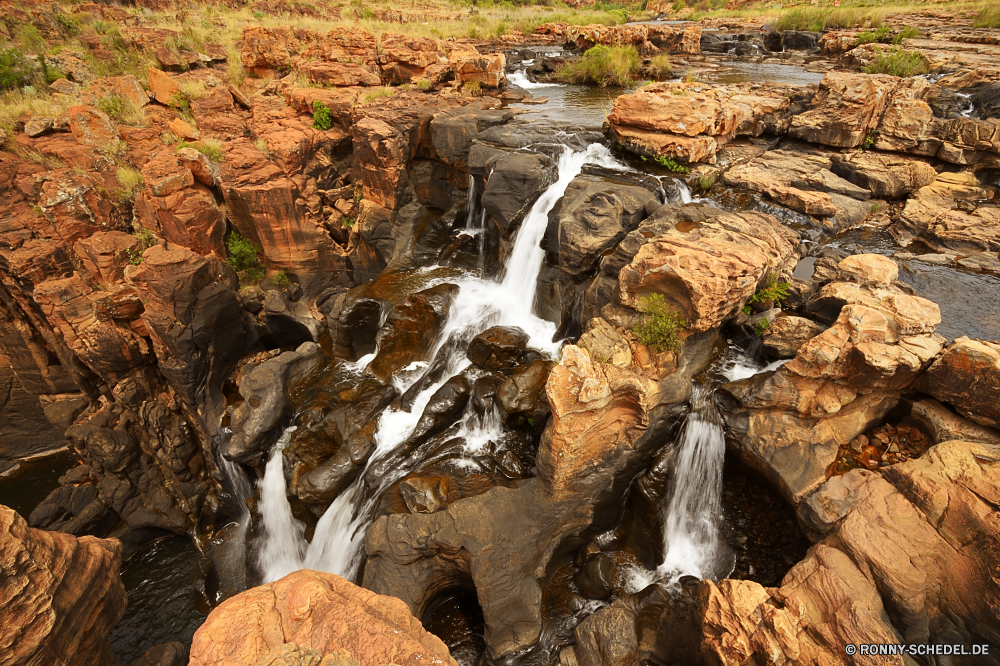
(478, 305)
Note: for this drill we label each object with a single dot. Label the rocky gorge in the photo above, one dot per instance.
(401, 350)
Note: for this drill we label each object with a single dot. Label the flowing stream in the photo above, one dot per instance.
(479, 304)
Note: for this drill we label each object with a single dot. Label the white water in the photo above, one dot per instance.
(692, 512)
(521, 80)
(478, 305)
(736, 364)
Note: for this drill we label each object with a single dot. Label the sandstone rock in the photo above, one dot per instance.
(162, 85)
(868, 270)
(411, 330)
(166, 654)
(37, 126)
(708, 265)
(265, 393)
(933, 216)
(470, 65)
(183, 130)
(339, 74)
(106, 254)
(319, 611)
(967, 376)
(91, 126)
(605, 345)
(885, 176)
(846, 109)
(125, 87)
(942, 425)
(61, 595)
(524, 391)
(515, 181)
(784, 336)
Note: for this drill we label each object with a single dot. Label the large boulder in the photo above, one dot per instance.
(846, 109)
(411, 330)
(60, 596)
(514, 180)
(315, 610)
(967, 376)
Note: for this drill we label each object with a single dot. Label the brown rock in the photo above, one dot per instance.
(60, 597)
(810, 203)
(869, 270)
(164, 175)
(339, 74)
(183, 130)
(885, 176)
(967, 376)
(126, 87)
(784, 336)
(315, 610)
(91, 126)
(846, 109)
(470, 65)
(106, 254)
(162, 85)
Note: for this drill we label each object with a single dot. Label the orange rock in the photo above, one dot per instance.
(60, 598)
(162, 85)
(320, 611)
(164, 175)
(106, 254)
(188, 217)
(91, 126)
(339, 74)
(470, 65)
(183, 130)
(127, 87)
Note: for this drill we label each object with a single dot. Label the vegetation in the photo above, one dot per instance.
(603, 65)
(210, 148)
(121, 110)
(706, 182)
(424, 84)
(130, 183)
(261, 145)
(15, 70)
(661, 326)
(243, 258)
(773, 291)
(671, 165)
(761, 327)
(472, 88)
(869, 37)
(322, 116)
(281, 280)
(898, 62)
(659, 66)
(989, 17)
(869, 141)
(380, 92)
(908, 32)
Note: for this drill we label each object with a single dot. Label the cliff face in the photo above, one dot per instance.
(60, 596)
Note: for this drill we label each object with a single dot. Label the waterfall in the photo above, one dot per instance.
(691, 539)
(470, 204)
(479, 304)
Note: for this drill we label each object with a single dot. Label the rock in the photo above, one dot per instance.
(934, 217)
(607, 638)
(943, 425)
(64, 87)
(605, 344)
(597, 577)
(846, 109)
(498, 347)
(523, 391)
(91, 126)
(515, 180)
(708, 265)
(37, 126)
(106, 254)
(591, 218)
(339, 74)
(264, 390)
(868, 270)
(319, 611)
(162, 85)
(125, 87)
(784, 336)
(183, 130)
(411, 330)
(60, 596)
(425, 495)
(469, 65)
(799, 40)
(967, 376)
(819, 512)
(885, 176)
(166, 654)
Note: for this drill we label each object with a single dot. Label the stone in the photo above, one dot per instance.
(265, 399)
(339, 74)
(523, 391)
(605, 344)
(886, 176)
(498, 347)
(410, 331)
(943, 425)
(967, 376)
(162, 85)
(515, 181)
(469, 65)
(106, 254)
(596, 579)
(314, 610)
(784, 336)
(91, 126)
(165, 654)
(61, 595)
(425, 495)
(934, 217)
(846, 109)
(37, 126)
(183, 130)
(868, 270)
(125, 87)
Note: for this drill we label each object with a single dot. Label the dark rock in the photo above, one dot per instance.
(410, 332)
(596, 578)
(359, 326)
(498, 347)
(522, 391)
(514, 180)
(484, 393)
(799, 40)
(166, 654)
(511, 466)
(986, 101)
(425, 494)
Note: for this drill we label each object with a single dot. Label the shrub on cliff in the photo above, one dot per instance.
(15, 70)
(660, 328)
(989, 17)
(604, 65)
(243, 258)
(898, 62)
(322, 116)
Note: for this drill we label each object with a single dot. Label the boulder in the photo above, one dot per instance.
(498, 347)
(106, 254)
(784, 336)
(967, 376)
(265, 399)
(469, 65)
(314, 610)
(846, 109)
(339, 74)
(91, 126)
(60, 596)
(165, 654)
(935, 217)
(410, 331)
(886, 176)
(162, 85)
(514, 181)
(524, 391)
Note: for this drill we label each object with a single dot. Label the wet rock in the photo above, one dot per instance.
(784, 336)
(799, 40)
(596, 578)
(484, 395)
(444, 407)
(986, 101)
(264, 390)
(74, 509)
(885, 176)
(166, 654)
(373, 628)
(411, 330)
(591, 218)
(523, 391)
(498, 347)
(967, 376)
(61, 595)
(425, 494)
(702, 274)
(514, 180)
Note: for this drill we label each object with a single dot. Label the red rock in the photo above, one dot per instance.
(470, 65)
(183, 130)
(164, 175)
(75, 205)
(339, 74)
(381, 153)
(846, 109)
(162, 85)
(91, 126)
(188, 217)
(60, 597)
(106, 254)
(315, 610)
(127, 87)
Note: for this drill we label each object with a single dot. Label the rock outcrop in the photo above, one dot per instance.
(60, 596)
(317, 611)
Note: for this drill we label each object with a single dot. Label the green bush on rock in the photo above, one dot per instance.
(661, 326)
(243, 258)
(603, 65)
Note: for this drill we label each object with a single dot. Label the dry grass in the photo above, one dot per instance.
(851, 14)
(17, 105)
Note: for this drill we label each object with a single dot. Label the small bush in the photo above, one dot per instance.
(706, 182)
(898, 62)
(243, 258)
(472, 88)
(603, 65)
(661, 327)
(761, 327)
(771, 291)
(348, 222)
(322, 116)
(906, 33)
(659, 66)
(210, 148)
(424, 84)
(261, 145)
(670, 164)
(870, 37)
(377, 93)
(15, 70)
(121, 110)
(130, 182)
(989, 17)
(281, 280)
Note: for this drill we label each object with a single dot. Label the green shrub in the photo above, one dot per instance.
(243, 258)
(322, 116)
(281, 280)
(897, 62)
(210, 148)
(761, 327)
(659, 66)
(424, 84)
(130, 182)
(661, 326)
(706, 182)
(67, 23)
(603, 65)
(771, 291)
(906, 33)
(870, 37)
(121, 110)
(15, 70)
(670, 164)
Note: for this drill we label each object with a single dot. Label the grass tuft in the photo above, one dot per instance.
(898, 62)
(659, 66)
(661, 327)
(603, 65)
